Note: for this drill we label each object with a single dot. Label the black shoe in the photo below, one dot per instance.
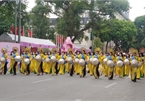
(77, 73)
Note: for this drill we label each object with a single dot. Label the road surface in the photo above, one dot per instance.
(66, 88)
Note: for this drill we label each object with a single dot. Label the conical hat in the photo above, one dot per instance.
(131, 50)
(70, 50)
(54, 50)
(83, 49)
(136, 51)
(27, 49)
(3, 49)
(110, 50)
(142, 50)
(98, 49)
(40, 49)
(15, 48)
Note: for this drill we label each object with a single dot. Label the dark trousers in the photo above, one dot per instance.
(97, 70)
(14, 68)
(28, 68)
(5, 68)
(41, 67)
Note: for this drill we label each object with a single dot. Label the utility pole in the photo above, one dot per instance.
(15, 19)
(19, 35)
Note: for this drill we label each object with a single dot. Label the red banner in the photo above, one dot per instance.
(17, 29)
(59, 40)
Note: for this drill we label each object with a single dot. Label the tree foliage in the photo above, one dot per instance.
(69, 18)
(121, 32)
(97, 42)
(139, 40)
(7, 16)
(69, 14)
(40, 22)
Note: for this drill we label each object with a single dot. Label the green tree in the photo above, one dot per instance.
(40, 21)
(121, 32)
(97, 42)
(69, 13)
(7, 16)
(140, 24)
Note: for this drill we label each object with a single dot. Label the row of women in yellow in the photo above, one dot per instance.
(53, 62)
(95, 63)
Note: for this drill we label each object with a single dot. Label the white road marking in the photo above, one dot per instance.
(110, 85)
(42, 80)
(78, 100)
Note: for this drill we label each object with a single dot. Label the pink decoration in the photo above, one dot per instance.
(67, 44)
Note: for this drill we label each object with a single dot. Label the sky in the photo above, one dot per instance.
(137, 8)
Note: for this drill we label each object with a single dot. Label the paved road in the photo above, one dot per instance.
(66, 88)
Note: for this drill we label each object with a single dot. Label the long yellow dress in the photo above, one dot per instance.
(76, 65)
(62, 66)
(139, 68)
(119, 69)
(12, 61)
(90, 65)
(54, 64)
(102, 63)
(37, 66)
(48, 65)
(11, 64)
(32, 64)
(110, 70)
(45, 66)
(133, 69)
(3, 63)
(127, 68)
(23, 66)
(94, 67)
(68, 65)
(81, 68)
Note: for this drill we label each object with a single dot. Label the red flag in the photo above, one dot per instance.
(57, 40)
(30, 34)
(23, 32)
(13, 30)
(61, 39)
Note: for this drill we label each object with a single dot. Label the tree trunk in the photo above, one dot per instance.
(106, 47)
(116, 46)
